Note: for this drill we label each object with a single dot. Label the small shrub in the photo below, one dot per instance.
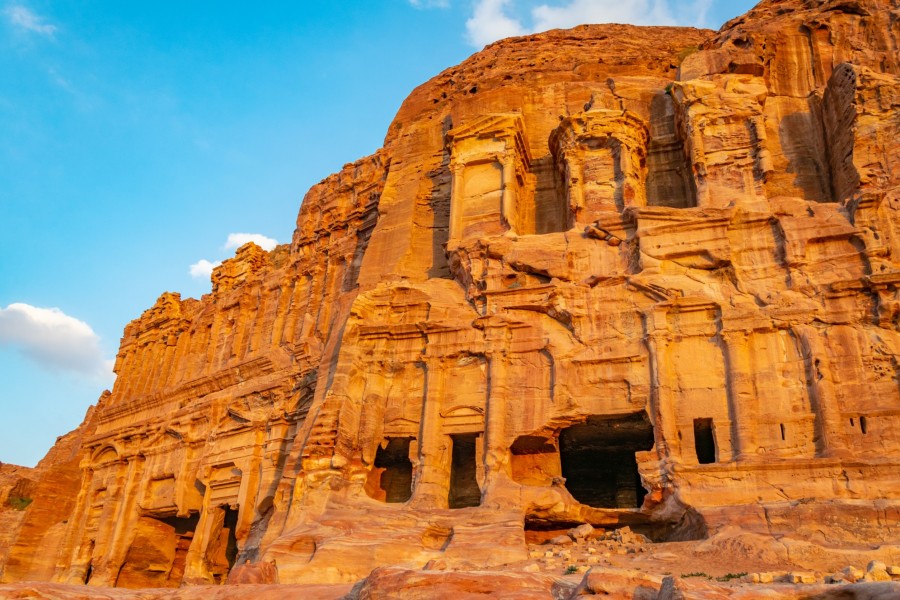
(696, 574)
(571, 569)
(18, 502)
(730, 576)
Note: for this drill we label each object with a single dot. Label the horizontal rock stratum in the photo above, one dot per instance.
(625, 276)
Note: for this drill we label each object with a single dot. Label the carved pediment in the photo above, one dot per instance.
(462, 411)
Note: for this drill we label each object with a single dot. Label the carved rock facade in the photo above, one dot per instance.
(616, 275)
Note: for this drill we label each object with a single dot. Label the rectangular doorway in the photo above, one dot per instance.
(704, 441)
(464, 490)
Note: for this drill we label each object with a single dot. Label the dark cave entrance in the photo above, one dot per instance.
(464, 490)
(390, 479)
(598, 460)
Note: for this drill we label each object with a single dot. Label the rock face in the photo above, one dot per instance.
(37, 508)
(610, 275)
(16, 494)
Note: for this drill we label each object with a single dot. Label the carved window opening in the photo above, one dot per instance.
(602, 157)
(551, 209)
(535, 460)
(464, 490)
(492, 189)
(782, 432)
(863, 425)
(704, 441)
(599, 461)
(390, 479)
(669, 176)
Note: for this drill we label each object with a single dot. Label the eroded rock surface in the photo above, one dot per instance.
(613, 275)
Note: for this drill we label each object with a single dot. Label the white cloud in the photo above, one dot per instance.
(24, 19)
(54, 340)
(236, 240)
(203, 268)
(489, 23)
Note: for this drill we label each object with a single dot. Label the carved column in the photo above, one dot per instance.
(432, 482)
(123, 524)
(574, 186)
(495, 445)
(171, 351)
(743, 404)
(508, 204)
(262, 326)
(821, 387)
(250, 483)
(73, 567)
(456, 170)
(662, 399)
(209, 524)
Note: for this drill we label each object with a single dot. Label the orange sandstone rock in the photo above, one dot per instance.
(613, 275)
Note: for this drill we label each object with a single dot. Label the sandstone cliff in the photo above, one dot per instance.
(615, 275)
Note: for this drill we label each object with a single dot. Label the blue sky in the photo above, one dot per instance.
(136, 137)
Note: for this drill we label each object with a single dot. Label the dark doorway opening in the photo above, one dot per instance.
(231, 548)
(704, 441)
(599, 463)
(464, 490)
(391, 477)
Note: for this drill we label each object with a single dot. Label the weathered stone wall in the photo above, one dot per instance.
(617, 275)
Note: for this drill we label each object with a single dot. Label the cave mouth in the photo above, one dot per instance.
(391, 477)
(598, 460)
(157, 555)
